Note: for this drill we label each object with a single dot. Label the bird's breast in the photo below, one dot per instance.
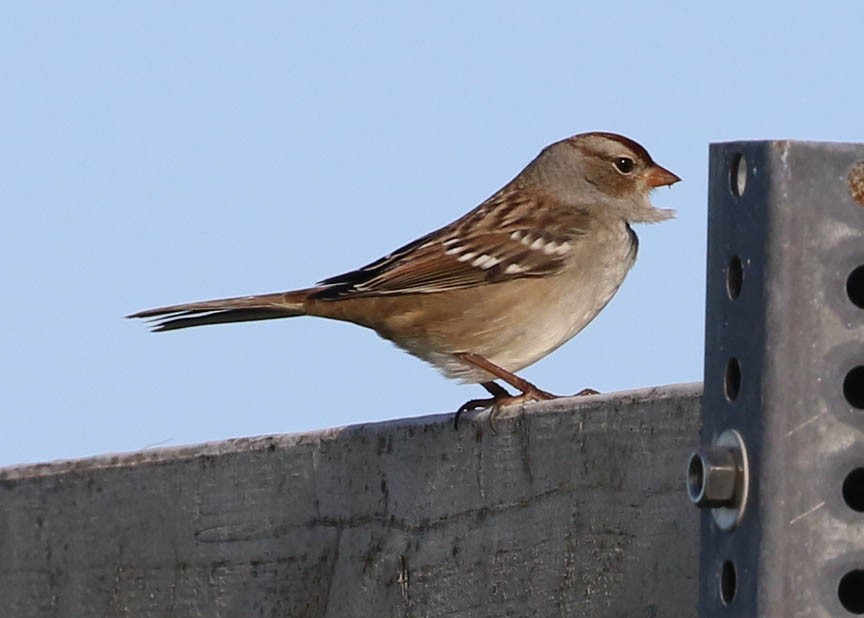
(517, 323)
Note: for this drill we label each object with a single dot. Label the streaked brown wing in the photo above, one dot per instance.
(514, 241)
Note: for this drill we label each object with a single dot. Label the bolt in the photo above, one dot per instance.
(712, 476)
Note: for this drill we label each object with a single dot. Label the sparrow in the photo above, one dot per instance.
(497, 289)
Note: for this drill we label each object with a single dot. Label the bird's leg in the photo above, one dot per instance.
(495, 390)
(528, 390)
(500, 396)
(515, 381)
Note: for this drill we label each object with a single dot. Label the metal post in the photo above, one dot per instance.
(780, 475)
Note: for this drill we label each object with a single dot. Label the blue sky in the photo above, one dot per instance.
(153, 153)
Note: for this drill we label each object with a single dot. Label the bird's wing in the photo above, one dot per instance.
(507, 237)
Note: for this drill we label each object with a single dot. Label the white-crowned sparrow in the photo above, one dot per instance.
(500, 287)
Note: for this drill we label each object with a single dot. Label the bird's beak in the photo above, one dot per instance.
(658, 176)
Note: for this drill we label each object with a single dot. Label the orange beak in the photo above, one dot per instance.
(660, 177)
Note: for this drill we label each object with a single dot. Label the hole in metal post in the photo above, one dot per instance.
(738, 174)
(856, 182)
(851, 591)
(853, 490)
(695, 478)
(732, 381)
(853, 387)
(734, 277)
(855, 286)
(728, 582)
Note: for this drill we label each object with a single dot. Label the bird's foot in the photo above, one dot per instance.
(500, 399)
(587, 391)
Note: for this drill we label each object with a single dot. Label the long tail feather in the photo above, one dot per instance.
(226, 310)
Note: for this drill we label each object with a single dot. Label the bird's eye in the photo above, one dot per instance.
(624, 164)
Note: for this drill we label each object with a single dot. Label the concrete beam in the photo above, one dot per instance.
(575, 507)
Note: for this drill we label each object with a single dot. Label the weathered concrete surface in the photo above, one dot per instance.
(575, 508)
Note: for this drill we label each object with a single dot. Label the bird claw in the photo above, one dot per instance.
(494, 404)
(470, 406)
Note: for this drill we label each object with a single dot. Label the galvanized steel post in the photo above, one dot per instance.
(780, 475)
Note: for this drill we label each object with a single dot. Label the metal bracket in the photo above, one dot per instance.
(782, 481)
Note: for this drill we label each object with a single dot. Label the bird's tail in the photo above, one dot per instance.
(225, 310)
